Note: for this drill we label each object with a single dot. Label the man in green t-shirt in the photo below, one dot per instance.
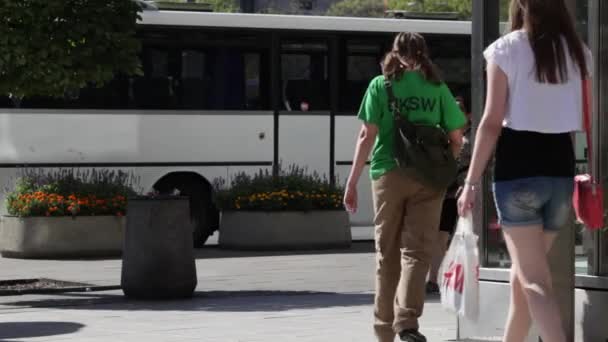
(407, 212)
(425, 102)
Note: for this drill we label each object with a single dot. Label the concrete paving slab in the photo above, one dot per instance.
(241, 296)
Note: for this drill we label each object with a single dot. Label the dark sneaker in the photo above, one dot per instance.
(412, 335)
(432, 288)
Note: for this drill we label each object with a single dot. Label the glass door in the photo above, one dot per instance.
(599, 9)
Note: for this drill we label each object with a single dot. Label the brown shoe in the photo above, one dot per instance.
(411, 335)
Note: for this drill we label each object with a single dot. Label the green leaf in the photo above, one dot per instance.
(46, 43)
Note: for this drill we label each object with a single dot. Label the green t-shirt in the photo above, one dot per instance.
(425, 102)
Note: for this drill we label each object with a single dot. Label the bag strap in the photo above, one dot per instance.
(464, 226)
(587, 126)
(392, 100)
(407, 127)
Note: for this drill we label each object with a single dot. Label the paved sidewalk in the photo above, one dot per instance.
(241, 296)
(210, 316)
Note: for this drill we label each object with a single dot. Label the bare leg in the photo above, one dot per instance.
(519, 320)
(527, 246)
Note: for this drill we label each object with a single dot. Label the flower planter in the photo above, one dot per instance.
(60, 237)
(255, 230)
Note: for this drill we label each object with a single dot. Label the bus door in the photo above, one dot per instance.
(361, 64)
(304, 118)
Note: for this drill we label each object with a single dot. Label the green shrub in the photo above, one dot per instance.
(54, 48)
(293, 189)
(70, 193)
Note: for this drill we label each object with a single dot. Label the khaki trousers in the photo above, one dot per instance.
(407, 216)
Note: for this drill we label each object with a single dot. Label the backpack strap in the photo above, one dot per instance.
(399, 119)
(392, 100)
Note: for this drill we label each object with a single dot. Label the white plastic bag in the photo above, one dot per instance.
(460, 272)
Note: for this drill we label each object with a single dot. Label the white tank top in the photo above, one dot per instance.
(531, 105)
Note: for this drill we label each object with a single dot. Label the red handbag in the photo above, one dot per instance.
(588, 198)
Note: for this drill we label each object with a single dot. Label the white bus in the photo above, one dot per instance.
(223, 93)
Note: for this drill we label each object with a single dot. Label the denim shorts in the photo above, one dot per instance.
(545, 201)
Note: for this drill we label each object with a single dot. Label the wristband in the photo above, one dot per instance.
(474, 186)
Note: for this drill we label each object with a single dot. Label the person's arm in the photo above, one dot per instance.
(487, 135)
(365, 143)
(456, 142)
(452, 120)
(370, 113)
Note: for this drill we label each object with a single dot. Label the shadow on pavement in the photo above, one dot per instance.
(9, 331)
(218, 301)
(215, 252)
(212, 252)
(227, 301)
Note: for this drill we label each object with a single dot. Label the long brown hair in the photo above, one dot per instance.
(409, 52)
(548, 23)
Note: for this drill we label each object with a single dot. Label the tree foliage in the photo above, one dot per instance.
(357, 8)
(224, 6)
(220, 6)
(462, 7)
(504, 9)
(52, 47)
(375, 8)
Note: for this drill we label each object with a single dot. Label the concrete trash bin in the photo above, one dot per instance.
(158, 257)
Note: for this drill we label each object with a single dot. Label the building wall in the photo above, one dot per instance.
(590, 311)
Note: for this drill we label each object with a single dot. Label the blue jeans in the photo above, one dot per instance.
(545, 201)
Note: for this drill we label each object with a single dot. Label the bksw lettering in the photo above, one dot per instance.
(416, 103)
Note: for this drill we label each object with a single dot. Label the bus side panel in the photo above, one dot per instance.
(93, 137)
(114, 137)
(347, 129)
(304, 140)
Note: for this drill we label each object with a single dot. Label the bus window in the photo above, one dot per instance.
(220, 79)
(363, 64)
(304, 75)
(252, 81)
(362, 68)
(192, 84)
(113, 95)
(452, 55)
(183, 69)
(155, 89)
(228, 80)
(46, 102)
(6, 102)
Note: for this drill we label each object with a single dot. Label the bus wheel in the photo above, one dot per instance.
(203, 212)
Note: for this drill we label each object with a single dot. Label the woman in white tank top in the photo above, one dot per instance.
(534, 103)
